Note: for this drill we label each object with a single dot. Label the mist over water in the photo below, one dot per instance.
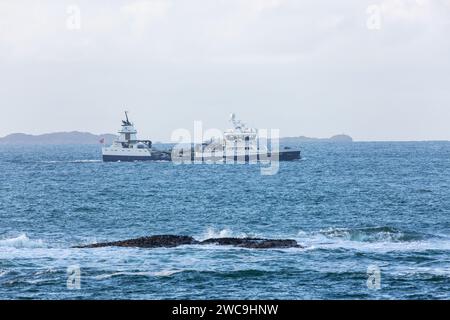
(351, 205)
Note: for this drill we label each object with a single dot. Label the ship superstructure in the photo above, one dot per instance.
(241, 143)
(127, 147)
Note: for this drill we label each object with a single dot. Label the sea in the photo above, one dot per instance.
(373, 219)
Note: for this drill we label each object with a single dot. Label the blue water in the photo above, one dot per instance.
(350, 205)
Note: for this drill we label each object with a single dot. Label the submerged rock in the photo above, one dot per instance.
(168, 241)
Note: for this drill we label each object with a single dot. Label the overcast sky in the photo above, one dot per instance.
(377, 70)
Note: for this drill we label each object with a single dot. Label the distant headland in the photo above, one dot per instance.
(76, 137)
(73, 137)
(336, 138)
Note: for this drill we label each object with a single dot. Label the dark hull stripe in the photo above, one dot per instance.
(109, 158)
(283, 156)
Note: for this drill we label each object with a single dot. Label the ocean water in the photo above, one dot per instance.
(353, 206)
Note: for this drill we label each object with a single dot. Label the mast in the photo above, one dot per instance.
(236, 123)
(126, 122)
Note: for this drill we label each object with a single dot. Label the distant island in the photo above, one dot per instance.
(76, 137)
(73, 137)
(336, 138)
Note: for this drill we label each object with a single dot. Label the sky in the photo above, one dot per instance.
(376, 70)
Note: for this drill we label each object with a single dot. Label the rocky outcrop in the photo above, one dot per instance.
(147, 242)
(168, 241)
(254, 243)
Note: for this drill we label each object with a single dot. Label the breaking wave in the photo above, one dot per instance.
(373, 239)
(224, 233)
(163, 273)
(21, 241)
(374, 234)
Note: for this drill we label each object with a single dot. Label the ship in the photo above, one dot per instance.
(128, 148)
(238, 144)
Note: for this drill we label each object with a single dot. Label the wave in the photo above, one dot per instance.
(21, 241)
(73, 161)
(162, 273)
(382, 239)
(192, 273)
(86, 161)
(440, 271)
(224, 233)
(373, 234)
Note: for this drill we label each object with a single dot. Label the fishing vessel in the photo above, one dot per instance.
(127, 147)
(239, 144)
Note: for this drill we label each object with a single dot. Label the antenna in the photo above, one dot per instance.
(126, 122)
(238, 124)
(233, 119)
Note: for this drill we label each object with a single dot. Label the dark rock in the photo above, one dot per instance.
(146, 242)
(168, 241)
(254, 243)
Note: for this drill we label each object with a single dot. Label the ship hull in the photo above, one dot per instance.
(290, 155)
(155, 156)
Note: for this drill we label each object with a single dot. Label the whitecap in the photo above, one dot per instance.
(441, 271)
(166, 273)
(86, 161)
(72, 161)
(223, 233)
(162, 273)
(376, 239)
(21, 241)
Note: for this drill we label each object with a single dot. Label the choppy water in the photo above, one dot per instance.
(351, 205)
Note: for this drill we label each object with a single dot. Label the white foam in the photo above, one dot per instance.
(389, 246)
(421, 271)
(165, 273)
(72, 161)
(162, 273)
(86, 161)
(380, 242)
(224, 233)
(213, 233)
(21, 241)
(121, 273)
